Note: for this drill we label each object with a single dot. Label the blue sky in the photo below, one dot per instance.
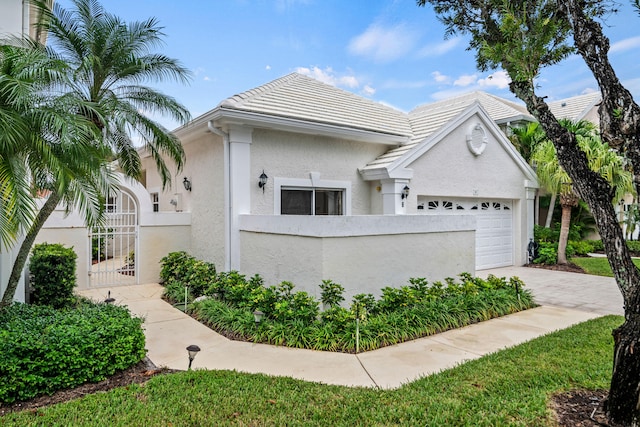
(391, 51)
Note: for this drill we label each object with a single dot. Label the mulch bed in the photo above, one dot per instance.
(137, 374)
(580, 408)
(570, 267)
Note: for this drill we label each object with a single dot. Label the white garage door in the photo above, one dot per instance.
(494, 233)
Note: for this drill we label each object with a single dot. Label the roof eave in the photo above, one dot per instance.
(224, 117)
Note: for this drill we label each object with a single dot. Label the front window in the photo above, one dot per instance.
(155, 202)
(311, 201)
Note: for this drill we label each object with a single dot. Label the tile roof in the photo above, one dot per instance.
(301, 97)
(575, 108)
(427, 119)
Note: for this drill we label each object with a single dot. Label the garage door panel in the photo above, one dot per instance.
(494, 233)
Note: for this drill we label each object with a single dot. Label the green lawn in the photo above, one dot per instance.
(507, 388)
(598, 266)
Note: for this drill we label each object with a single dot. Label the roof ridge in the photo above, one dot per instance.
(238, 99)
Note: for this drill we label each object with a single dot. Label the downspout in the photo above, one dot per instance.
(227, 194)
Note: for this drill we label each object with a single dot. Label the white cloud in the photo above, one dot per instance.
(499, 79)
(626, 44)
(368, 91)
(268, 67)
(438, 49)
(589, 90)
(329, 76)
(206, 78)
(383, 44)
(440, 78)
(465, 80)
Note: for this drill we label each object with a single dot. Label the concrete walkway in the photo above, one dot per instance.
(567, 299)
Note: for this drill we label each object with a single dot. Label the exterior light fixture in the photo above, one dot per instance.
(186, 183)
(109, 300)
(257, 316)
(193, 350)
(262, 180)
(405, 192)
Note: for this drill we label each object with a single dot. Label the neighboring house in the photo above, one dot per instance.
(352, 190)
(17, 19)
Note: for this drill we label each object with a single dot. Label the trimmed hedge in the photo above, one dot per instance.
(44, 350)
(54, 274)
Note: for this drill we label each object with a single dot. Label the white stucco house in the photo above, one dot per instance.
(298, 180)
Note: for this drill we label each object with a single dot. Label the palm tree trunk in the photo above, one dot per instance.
(564, 234)
(552, 205)
(18, 265)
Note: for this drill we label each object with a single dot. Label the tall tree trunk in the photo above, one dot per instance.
(564, 234)
(619, 126)
(622, 404)
(552, 206)
(18, 265)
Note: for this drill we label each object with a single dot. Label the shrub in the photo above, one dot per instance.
(45, 350)
(597, 245)
(547, 253)
(175, 266)
(54, 274)
(199, 276)
(633, 245)
(331, 294)
(581, 247)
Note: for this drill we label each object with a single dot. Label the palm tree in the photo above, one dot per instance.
(44, 148)
(525, 139)
(106, 63)
(601, 159)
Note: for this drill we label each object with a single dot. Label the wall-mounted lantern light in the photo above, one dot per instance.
(186, 183)
(405, 192)
(262, 180)
(193, 350)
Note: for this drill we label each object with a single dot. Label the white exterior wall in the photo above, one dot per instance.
(12, 18)
(6, 265)
(71, 233)
(364, 253)
(204, 167)
(450, 170)
(290, 155)
(155, 242)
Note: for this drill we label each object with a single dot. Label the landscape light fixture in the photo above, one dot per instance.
(109, 300)
(193, 350)
(262, 180)
(257, 316)
(186, 183)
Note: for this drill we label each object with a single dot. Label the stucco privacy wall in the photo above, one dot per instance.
(290, 155)
(158, 234)
(491, 175)
(361, 253)
(204, 167)
(7, 257)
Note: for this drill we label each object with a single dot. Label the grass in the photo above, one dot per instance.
(507, 388)
(598, 266)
